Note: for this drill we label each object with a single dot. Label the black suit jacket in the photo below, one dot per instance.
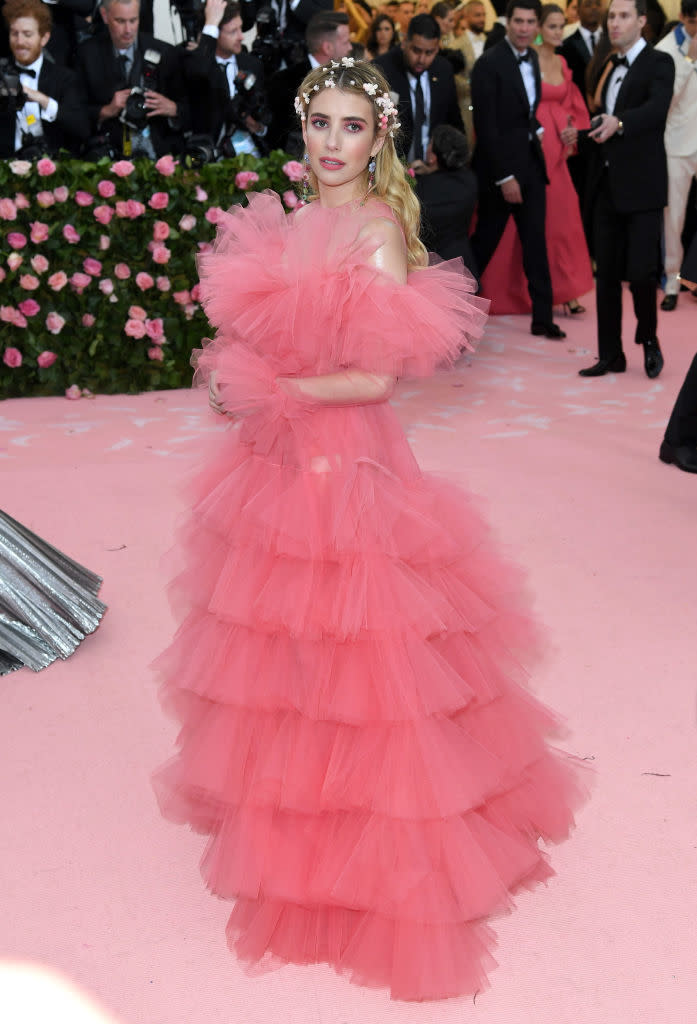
(577, 56)
(636, 160)
(285, 132)
(100, 77)
(505, 125)
(444, 106)
(208, 87)
(71, 127)
(448, 199)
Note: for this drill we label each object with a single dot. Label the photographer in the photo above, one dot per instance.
(43, 111)
(134, 87)
(226, 85)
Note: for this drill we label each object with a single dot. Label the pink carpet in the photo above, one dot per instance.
(95, 884)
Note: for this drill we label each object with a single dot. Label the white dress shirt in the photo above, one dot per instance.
(618, 75)
(586, 35)
(527, 74)
(31, 115)
(477, 41)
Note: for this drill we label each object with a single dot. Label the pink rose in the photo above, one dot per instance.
(161, 254)
(137, 313)
(196, 293)
(158, 200)
(155, 329)
(190, 310)
(160, 231)
(45, 199)
(58, 280)
(18, 319)
(55, 323)
(121, 208)
(46, 167)
(61, 193)
(187, 222)
(243, 179)
(163, 284)
(135, 328)
(104, 243)
(411, 172)
(70, 234)
(83, 198)
(201, 194)
(106, 189)
(14, 260)
(12, 357)
(29, 282)
(87, 320)
(39, 263)
(144, 281)
(30, 307)
(155, 353)
(290, 199)
(166, 165)
(181, 298)
(17, 240)
(213, 213)
(106, 286)
(46, 359)
(39, 232)
(7, 314)
(103, 213)
(92, 267)
(21, 201)
(8, 210)
(122, 168)
(80, 281)
(134, 209)
(73, 392)
(294, 170)
(122, 271)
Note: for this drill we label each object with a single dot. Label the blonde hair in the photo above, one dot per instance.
(390, 179)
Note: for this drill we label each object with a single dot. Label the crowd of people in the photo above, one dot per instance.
(547, 144)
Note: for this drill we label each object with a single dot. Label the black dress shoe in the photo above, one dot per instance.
(669, 303)
(683, 457)
(618, 364)
(547, 331)
(653, 358)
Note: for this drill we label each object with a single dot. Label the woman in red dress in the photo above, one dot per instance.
(562, 113)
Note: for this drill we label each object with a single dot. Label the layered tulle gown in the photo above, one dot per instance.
(357, 738)
(569, 262)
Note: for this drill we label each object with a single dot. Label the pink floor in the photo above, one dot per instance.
(94, 883)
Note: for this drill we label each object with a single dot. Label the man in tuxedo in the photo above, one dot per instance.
(134, 85)
(54, 115)
(220, 74)
(327, 38)
(681, 142)
(509, 161)
(62, 45)
(425, 84)
(629, 184)
(578, 48)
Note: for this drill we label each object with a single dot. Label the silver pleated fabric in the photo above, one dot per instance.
(48, 602)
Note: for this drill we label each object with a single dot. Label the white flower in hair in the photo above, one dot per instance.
(306, 97)
(370, 87)
(348, 62)
(299, 109)
(330, 84)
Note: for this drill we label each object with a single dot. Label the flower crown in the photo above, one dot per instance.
(388, 111)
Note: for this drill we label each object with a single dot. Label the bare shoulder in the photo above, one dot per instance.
(391, 253)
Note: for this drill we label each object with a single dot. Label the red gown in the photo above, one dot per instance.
(356, 734)
(567, 251)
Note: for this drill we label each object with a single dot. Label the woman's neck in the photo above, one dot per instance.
(546, 51)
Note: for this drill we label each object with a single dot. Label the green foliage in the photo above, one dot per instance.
(40, 202)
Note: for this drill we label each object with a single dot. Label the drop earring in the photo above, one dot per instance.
(371, 174)
(306, 177)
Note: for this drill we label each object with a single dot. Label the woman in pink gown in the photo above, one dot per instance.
(562, 113)
(356, 735)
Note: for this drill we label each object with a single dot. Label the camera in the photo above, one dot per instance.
(134, 114)
(249, 101)
(191, 16)
(270, 46)
(12, 96)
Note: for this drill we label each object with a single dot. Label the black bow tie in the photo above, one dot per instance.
(523, 56)
(25, 71)
(617, 61)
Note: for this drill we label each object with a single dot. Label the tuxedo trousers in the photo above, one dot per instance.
(492, 217)
(627, 248)
(682, 425)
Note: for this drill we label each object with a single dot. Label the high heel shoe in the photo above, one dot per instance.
(573, 308)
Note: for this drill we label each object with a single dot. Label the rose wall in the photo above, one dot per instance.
(98, 283)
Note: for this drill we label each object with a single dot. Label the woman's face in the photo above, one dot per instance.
(571, 12)
(384, 33)
(552, 30)
(340, 138)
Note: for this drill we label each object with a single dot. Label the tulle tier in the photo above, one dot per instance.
(357, 737)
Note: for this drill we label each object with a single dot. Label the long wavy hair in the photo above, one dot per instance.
(390, 184)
